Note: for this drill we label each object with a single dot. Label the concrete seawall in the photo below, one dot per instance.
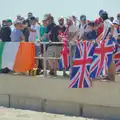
(52, 94)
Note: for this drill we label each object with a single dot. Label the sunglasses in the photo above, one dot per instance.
(118, 16)
(83, 19)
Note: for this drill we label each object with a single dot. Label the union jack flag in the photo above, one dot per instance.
(102, 58)
(117, 61)
(79, 77)
(117, 54)
(64, 62)
(117, 57)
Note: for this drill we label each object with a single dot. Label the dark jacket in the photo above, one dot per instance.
(26, 34)
(55, 32)
(5, 33)
(50, 27)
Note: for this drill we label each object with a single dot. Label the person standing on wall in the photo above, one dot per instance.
(5, 31)
(54, 50)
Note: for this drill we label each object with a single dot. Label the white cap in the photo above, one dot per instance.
(61, 18)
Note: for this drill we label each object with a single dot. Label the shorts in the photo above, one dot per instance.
(54, 51)
(42, 48)
(37, 50)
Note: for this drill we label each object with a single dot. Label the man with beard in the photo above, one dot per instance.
(54, 50)
(57, 30)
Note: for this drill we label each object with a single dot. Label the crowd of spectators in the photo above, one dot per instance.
(31, 30)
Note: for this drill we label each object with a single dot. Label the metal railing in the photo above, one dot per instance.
(45, 58)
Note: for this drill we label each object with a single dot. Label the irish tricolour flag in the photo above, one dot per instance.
(16, 56)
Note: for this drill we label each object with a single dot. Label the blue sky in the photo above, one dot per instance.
(10, 8)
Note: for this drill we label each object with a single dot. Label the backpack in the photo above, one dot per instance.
(5, 70)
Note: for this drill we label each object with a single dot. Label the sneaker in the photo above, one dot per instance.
(51, 72)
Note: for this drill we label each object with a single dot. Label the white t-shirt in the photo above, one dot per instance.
(33, 35)
(107, 25)
(74, 30)
(83, 29)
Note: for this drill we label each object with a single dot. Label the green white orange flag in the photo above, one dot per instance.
(16, 56)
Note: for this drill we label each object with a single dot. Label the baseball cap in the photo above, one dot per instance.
(9, 21)
(91, 23)
(61, 18)
(101, 12)
(83, 17)
(104, 15)
(33, 18)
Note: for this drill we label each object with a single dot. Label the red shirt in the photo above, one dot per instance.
(99, 21)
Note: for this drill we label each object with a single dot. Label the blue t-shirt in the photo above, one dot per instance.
(16, 35)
